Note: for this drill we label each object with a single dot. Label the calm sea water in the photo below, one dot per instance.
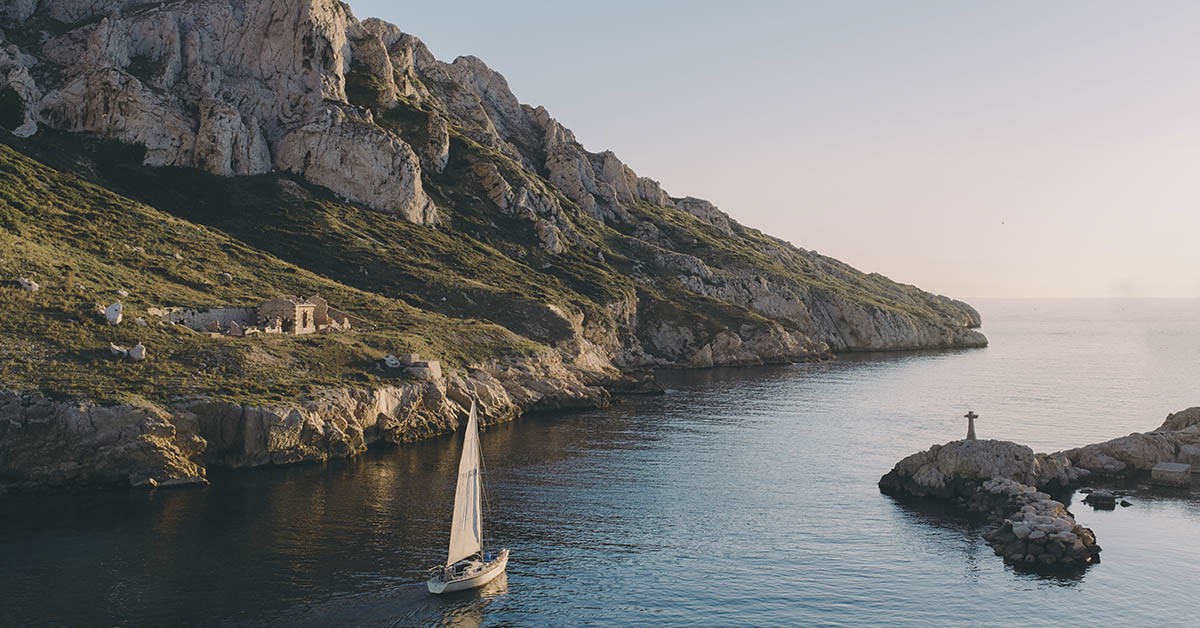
(742, 497)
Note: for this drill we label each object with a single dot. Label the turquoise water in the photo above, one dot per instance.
(741, 497)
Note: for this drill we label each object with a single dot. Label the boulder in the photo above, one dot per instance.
(113, 313)
(1101, 499)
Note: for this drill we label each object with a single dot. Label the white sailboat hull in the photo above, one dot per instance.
(472, 579)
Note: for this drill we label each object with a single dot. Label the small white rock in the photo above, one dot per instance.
(29, 284)
(137, 352)
(117, 350)
(113, 313)
(122, 292)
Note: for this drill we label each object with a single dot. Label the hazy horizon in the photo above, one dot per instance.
(1015, 150)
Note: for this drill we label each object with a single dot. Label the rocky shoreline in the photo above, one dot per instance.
(1009, 483)
(251, 148)
(48, 444)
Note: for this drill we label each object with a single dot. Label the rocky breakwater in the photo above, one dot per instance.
(52, 444)
(1038, 531)
(1002, 480)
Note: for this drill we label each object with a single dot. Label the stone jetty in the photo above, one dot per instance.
(1038, 532)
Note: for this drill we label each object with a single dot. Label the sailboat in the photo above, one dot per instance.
(468, 564)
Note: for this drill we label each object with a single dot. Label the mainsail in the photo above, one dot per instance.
(466, 533)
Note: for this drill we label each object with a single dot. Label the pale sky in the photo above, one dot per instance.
(974, 149)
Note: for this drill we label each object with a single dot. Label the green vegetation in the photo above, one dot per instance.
(83, 243)
(85, 219)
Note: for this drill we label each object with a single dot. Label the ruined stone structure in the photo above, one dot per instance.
(326, 317)
(217, 319)
(302, 316)
(294, 315)
(286, 315)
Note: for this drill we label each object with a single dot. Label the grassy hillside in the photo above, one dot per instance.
(83, 243)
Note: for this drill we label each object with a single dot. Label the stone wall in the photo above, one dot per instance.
(203, 319)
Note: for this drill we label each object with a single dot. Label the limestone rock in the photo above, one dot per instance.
(360, 161)
(29, 284)
(15, 68)
(705, 211)
(232, 88)
(1181, 420)
(46, 444)
(114, 313)
(1036, 532)
(1129, 454)
(944, 470)
(435, 152)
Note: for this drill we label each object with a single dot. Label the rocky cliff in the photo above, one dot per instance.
(46, 443)
(241, 87)
(198, 153)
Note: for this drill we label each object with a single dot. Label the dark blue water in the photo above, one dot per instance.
(742, 497)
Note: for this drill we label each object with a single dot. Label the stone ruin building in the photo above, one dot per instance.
(285, 315)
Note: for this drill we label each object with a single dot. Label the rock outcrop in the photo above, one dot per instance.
(234, 87)
(1000, 479)
(46, 444)
(955, 470)
(1176, 440)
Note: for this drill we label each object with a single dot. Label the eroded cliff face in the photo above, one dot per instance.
(49, 444)
(244, 87)
(232, 87)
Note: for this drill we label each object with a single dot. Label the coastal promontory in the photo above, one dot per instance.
(165, 162)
